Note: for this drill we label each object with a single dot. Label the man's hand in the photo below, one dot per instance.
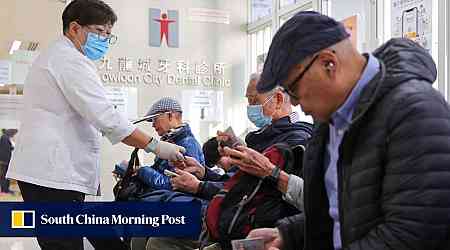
(192, 166)
(250, 161)
(178, 164)
(228, 139)
(169, 151)
(271, 237)
(185, 182)
(224, 162)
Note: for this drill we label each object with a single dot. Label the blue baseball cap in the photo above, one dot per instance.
(306, 33)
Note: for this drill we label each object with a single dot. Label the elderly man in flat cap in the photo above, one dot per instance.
(167, 119)
(377, 169)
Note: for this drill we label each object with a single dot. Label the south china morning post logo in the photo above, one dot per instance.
(22, 219)
(100, 219)
(113, 219)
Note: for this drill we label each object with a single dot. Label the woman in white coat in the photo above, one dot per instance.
(66, 111)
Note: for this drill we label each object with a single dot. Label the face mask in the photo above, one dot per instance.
(95, 46)
(256, 116)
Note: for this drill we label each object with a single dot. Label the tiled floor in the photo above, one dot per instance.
(28, 244)
(11, 197)
(18, 244)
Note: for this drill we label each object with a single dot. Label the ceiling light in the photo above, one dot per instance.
(15, 46)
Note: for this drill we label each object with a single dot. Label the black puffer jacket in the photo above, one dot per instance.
(394, 165)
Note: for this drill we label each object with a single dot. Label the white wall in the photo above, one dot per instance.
(6, 10)
(25, 20)
(340, 10)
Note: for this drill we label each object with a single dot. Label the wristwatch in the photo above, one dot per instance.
(274, 176)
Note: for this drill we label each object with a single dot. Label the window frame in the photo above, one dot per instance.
(273, 21)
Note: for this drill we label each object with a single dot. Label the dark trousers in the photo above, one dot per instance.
(35, 193)
(4, 183)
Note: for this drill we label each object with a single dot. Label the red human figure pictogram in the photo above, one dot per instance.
(164, 21)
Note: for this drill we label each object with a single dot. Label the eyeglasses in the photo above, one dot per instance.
(252, 100)
(291, 87)
(111, 38)
(153, 119)
(101, 35)
(267, 99)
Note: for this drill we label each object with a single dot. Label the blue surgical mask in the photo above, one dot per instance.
(95, 47)
(256, 115)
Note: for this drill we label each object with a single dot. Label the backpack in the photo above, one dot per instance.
(129, 185)
(247, 202)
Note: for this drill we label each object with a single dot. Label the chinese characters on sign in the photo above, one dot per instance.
(155, 72)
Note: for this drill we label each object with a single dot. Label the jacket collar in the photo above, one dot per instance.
(176, 134)
(266, 136)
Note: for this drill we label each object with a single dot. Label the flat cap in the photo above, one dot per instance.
(306, 33)
(165, 104)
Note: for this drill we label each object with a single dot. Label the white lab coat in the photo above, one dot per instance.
(65, 109)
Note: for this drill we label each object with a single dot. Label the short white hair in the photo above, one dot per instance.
(283, 91)
(254, 77)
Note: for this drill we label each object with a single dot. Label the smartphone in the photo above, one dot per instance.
(170, 173)
(230, 131)
(248, 244)
(230, 142)
(226, 144)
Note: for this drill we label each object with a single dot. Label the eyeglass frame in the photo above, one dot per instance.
(153, 119)
(111, 38)
(291, 87)
(255, 102)
(267, 99)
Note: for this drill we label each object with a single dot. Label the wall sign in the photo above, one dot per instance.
(413, 19)
(158, 72)
(11, 107)
(124, 100)
(5, 71)
(209, 15)
(202, 105)
(164, 26)
(351, 24)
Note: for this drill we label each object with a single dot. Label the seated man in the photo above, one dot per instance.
(167, 121)
(273, 118)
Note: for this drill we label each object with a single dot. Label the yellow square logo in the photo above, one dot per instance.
(22, 219)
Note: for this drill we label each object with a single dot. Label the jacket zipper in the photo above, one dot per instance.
(241, 206)
(246, 199)
(341, 188)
